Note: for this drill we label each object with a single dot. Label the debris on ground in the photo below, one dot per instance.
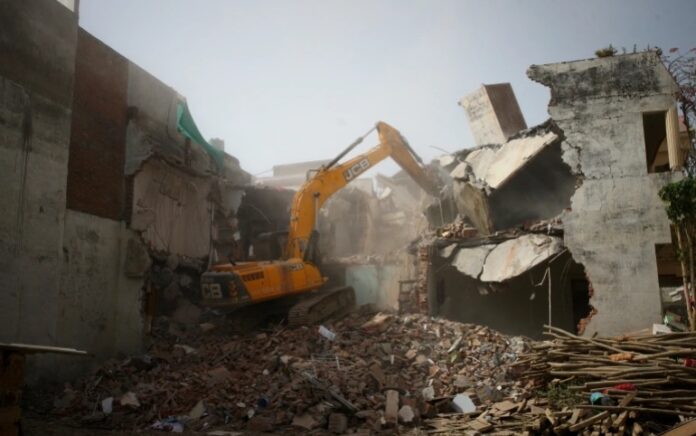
(383, 373)
(377, 372)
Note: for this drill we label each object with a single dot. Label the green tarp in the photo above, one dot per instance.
(188, 128)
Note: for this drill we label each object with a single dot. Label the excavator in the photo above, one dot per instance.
(236, 285)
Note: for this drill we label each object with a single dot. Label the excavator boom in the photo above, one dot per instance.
(330, 179)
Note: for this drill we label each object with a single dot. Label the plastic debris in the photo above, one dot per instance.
(107, 405)
(170, 424)
(328, 334)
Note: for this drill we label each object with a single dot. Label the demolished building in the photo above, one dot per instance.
(114, 201)
(559, 224)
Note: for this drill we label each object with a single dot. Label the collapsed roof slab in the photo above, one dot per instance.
(507, 260)
(524, 180)
(516, 256)
(514, 155)
(469, 261)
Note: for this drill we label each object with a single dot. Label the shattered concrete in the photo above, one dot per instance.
(522, 180)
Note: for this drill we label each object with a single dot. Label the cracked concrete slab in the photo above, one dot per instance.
(516, 256)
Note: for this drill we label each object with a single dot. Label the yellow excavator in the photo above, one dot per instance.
(236, 285)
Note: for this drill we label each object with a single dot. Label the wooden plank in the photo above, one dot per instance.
(600, 416)
(687, 428)
(639, 409)
(29, 349)
(589, 421)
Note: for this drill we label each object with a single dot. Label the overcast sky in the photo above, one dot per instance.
(287, 81)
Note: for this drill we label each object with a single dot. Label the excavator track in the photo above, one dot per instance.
(321, 306)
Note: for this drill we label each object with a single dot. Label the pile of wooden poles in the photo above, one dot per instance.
(630, 385)
(653, 375)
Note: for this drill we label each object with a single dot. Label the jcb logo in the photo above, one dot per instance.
(295, 266)
(356, 170)
(211, 290)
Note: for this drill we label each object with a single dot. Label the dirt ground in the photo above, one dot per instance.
(36, 426)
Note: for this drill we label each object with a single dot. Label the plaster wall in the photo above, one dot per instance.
(616, 216)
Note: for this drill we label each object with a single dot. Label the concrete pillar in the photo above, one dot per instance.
(672, 127)
(494, 114)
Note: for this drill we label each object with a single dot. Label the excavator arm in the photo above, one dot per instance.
(334, 176)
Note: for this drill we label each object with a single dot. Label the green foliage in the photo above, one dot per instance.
(605, 52)
(560, 396)
(680, 201)
(681, 64)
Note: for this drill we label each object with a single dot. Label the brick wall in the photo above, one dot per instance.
(97, 144)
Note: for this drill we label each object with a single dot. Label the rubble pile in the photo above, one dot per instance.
(382, 373)
(369, 372)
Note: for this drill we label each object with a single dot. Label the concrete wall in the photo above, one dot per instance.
(61, 270)
(37, 58)
(100, 308)
(81, 125)
(616, 217)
